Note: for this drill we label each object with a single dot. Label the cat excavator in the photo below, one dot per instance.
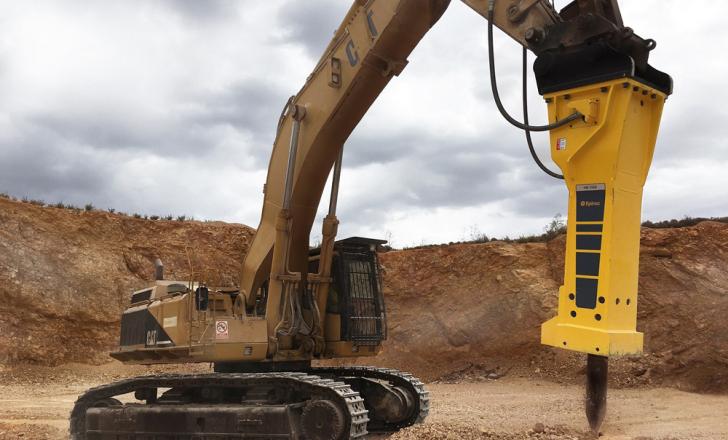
(295, 305)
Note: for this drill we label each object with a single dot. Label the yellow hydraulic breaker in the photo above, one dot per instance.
(605, 159)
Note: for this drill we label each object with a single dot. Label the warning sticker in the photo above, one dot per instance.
(561, 144)
(591, 187)
(221, 330)
(170, 322)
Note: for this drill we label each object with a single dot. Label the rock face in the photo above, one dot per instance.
(66, 276)
(467, 309)
(477, 309)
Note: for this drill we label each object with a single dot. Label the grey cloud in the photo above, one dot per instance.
(50, 171)
(249, 107)
(312, 24)
(446, 173)
(252, 107)
(460, 179)
(434, 172)
(542, 196)
(206, 10)
(367, 149)
(689, 133)
(102, 130)
(41, 167)
(541, 199)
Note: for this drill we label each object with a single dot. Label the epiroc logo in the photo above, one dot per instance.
(589, 204)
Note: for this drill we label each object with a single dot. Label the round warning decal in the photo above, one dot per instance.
(221, 329)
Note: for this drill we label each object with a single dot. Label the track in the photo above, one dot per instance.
(305, 384)
(192, 394)
(398, 378)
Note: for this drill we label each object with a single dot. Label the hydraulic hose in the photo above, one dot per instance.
(525, 120)
(494, 86)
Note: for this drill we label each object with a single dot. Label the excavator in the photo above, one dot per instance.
(295, 305)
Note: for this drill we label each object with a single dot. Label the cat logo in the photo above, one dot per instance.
(352, 54)
(151, 338)
(221, 330)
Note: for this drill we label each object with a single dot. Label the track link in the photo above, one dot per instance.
(348, 399)
(395, 377)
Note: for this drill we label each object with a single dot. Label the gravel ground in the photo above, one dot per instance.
(34, 404)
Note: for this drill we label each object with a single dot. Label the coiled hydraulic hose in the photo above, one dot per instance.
(529, 141)
(496, 97)
(494, 86)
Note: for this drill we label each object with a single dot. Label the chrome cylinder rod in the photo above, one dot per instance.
(335, 183)
(297, 113)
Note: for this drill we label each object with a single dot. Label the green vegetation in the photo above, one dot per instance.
(683, 222)
(557, 226)
(475, 236)
(554, 228)
(90, 207)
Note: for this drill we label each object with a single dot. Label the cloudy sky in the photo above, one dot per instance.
(170, 107)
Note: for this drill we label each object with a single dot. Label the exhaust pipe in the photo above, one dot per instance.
(158, 270)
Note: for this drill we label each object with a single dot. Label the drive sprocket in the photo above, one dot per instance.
(322, 420)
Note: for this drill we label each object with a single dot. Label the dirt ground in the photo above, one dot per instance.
(35, 402)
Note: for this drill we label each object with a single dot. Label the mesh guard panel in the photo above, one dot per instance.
(363, 315)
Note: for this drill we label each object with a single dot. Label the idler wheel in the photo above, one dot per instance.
(322, 420)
